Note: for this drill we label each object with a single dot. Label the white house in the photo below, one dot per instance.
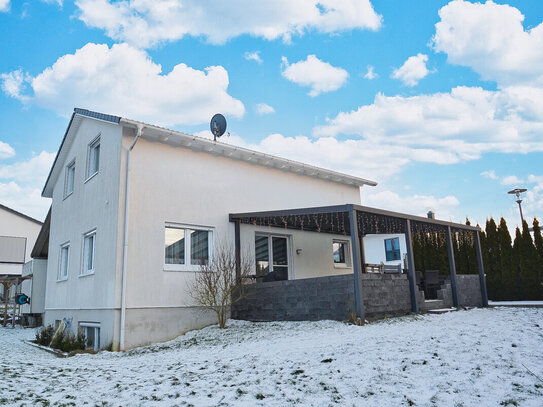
(136, 208)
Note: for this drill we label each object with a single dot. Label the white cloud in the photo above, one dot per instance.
(412, 70)
(4, 6)
(511, 180)
(253, 56)
(123, 80)
(21, 184)
(148, 22)
(491, 174)
(13, 83)
(490, 39)
(444, 207)
(318, 75)
(57, 2)
(6, 151)
(263, 108)
(443, 128)
(370, 74)
(33, 171)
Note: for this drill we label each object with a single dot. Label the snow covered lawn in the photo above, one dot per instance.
(466, 358)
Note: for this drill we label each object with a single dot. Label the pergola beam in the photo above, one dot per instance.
(357, 264)
(482, 279)
(413, 289)
(452, 268)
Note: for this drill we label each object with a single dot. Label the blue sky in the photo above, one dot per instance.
(441, 102)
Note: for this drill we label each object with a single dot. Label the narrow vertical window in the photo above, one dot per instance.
(63, 263)
(70, 177)
(89, 243)
(174, 246)
(93, 163)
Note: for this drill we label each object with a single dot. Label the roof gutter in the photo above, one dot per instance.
(139, 132)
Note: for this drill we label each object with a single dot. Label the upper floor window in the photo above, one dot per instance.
(63, 263)
(70, 178)
(186, 247)
(89, 243)
(93, 161)
(392, 249)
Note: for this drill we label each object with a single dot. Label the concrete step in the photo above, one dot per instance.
(441, 310)
(433, 304)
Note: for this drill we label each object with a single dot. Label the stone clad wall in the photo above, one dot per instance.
(324, 298)
(469, 290)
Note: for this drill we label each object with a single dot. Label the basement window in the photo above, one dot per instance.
(91, 331)
(186, 247)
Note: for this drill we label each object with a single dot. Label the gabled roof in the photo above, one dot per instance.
(184, 140)
(22, 215)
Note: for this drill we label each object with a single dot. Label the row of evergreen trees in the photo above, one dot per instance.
(514, 268)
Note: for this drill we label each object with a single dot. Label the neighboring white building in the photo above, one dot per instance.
(18, 233)
(136, 207)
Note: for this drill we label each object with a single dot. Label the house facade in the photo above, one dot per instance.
(137, 207)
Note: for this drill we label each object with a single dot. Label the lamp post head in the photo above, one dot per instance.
(518, 193)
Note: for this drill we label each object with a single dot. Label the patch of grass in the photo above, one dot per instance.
(329, 360)
(260, 396)
(509, 402)
(514, 345)
(297, 372)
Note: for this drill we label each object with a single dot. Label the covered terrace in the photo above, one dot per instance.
(358, 221)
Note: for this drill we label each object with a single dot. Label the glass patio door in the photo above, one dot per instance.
(272, 260)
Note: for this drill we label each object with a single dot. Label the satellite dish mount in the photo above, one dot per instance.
(218, 126)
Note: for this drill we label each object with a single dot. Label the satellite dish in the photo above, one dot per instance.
(217, 125)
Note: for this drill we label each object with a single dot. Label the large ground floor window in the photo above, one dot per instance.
(186, 248)
(272, 258)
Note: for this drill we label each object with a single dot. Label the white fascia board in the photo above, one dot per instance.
(179, 139)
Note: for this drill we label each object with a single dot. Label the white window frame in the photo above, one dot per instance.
(84, 272)
(69, 167)
(347, 254)
(290, 257)
(61, 277)
(84, 325)
(95, 142)
(188, 266)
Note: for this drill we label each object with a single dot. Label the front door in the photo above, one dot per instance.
(272, 260)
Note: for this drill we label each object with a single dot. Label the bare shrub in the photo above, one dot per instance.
(216, 287)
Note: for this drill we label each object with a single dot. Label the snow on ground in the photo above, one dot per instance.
(466, 358)
(516, 303)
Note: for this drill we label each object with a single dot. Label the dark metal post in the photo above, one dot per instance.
(355, 244)
(452, 268)
(411, 267)
(237, 244)
(482, 279)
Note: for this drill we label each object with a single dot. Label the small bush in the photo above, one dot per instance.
(44, 335)
(64, 341)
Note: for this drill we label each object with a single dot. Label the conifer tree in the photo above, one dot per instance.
(529, 265)
(517, 291)
(508, 281)
(491, 259)
(538, 241)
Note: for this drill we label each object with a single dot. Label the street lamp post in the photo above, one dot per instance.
(518, 194)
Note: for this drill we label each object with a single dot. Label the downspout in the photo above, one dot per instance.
(139, 132)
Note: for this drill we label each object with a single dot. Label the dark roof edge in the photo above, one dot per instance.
(97, 115)
(42, 239)
(22, 215)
